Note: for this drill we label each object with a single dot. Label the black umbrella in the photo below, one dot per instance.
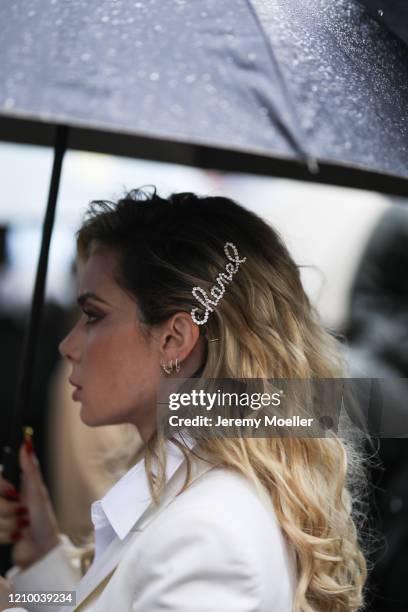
(246, 85)
(315, 90)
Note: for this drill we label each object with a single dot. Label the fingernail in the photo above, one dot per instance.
(16, 536)
(23, 522)
(28, 443)
(12, 492)
(21, 510)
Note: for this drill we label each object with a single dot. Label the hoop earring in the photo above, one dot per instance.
(172, 367)
(165, 368)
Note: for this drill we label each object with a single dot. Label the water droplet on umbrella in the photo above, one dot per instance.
(177, 109)
(190, 78)
(380, 13)
(154, 76)
(307, 124)
(312, 166)
(9, 103)
(105, 18)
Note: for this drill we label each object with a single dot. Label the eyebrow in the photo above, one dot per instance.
(89, 295)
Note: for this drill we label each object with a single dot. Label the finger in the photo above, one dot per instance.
(33, 488)
(10, 537)
(5, 585)
(14, 523)
(29, 463)
(27, 457)
(5, 590)
(11, 508)
(7, 489)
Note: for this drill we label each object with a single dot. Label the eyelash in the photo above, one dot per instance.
(94, 316)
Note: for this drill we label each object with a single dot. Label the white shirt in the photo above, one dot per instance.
(115, 514)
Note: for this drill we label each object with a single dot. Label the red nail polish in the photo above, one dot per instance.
(11, 492)
(23, 522)
(16, 536)
(21, 510)
(28, 443)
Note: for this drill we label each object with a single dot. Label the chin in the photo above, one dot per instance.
(88, 418)
(93, 418)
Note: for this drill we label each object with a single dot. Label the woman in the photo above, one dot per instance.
(238, 524)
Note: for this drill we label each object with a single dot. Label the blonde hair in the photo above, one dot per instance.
(267, 328)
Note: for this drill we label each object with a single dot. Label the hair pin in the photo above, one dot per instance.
(218, 289)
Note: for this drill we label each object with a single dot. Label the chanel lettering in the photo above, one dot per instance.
(218, 289)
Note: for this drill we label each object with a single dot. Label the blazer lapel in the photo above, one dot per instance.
(105, 565)
(102, 567)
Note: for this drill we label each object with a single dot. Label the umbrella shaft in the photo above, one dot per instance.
(21, 414)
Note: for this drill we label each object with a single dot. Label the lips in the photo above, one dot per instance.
(76, 395)
(74, 384)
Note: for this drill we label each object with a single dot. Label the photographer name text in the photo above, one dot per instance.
(255, 422)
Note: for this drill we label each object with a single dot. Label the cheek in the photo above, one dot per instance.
(117, 365)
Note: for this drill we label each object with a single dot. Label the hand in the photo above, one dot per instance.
(35, 532)
(13, 515)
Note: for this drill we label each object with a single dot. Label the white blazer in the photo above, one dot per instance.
(216, 547)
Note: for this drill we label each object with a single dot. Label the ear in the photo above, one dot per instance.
(179, 337)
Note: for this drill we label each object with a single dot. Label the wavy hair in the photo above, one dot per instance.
(267, 328)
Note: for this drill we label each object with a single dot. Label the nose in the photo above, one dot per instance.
(69, 347)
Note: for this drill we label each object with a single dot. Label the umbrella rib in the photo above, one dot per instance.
(290, 134)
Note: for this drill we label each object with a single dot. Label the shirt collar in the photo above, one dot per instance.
(126, 501)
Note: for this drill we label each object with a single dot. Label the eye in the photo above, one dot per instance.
(92, 317)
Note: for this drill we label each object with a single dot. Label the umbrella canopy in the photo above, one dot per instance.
(247, 85)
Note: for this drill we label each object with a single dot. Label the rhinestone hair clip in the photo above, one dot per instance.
(218, 289)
